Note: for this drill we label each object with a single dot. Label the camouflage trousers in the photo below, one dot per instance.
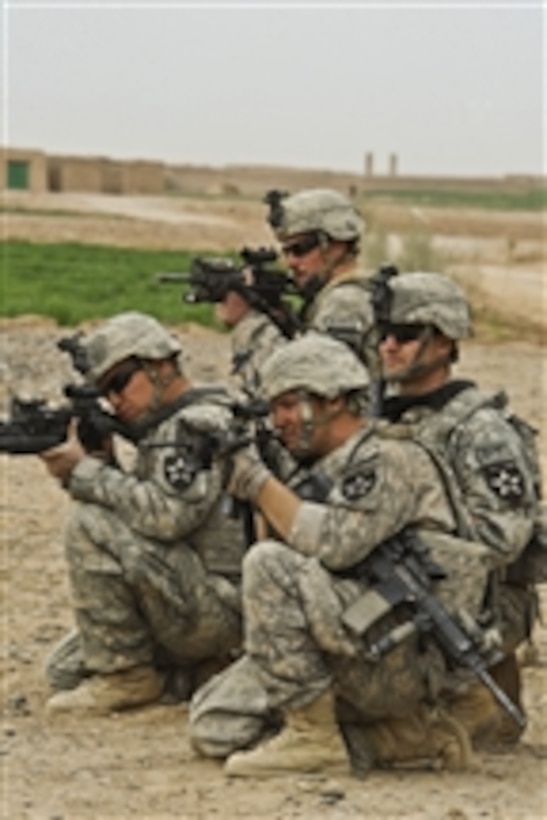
(296, 646)
(136, 601)
(518, 611)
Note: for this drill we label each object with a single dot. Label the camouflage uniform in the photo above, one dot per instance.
(253, 339)
(295, 593)
(339, 305)
(342, 308)
(490, 467)
(480, 448)
(481, 455)
(154, 561)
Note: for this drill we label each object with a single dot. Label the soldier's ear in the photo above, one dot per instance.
(168, 365)
(447, 345)
(336, 405)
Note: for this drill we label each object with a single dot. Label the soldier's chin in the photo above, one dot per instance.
(299, 451)
(127, 418)
(303, 281)
(136, 419)
(290, 442)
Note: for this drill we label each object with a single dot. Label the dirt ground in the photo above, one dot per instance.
(140, 764)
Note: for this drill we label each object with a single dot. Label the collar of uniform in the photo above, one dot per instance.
(396, 406)
(353, 274)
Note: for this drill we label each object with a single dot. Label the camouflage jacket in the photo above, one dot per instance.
(343, 309)
(369, 490)
(483, 458)
(167, 496)
(362, 493)
(253, 339)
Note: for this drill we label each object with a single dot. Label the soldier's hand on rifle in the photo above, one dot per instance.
(62, 459)
(247, 473)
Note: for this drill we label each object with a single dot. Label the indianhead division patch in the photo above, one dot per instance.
(177, 472)
(359, 483)
(505, 480)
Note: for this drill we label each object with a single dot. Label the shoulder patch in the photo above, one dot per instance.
(359, 482)
(178, 472)
(506, 480)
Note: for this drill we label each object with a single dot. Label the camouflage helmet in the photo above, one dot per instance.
(316, 363)
(125, 335)
(430, 299)
(316, 209)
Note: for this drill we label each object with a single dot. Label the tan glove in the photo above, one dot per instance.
(247, 473)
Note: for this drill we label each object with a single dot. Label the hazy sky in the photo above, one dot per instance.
(452, 88)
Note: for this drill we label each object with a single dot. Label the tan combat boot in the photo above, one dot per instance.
(309, 743)
(427, 736)
(102, 694)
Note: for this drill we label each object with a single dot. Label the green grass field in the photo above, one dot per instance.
(72, 283)
(534, 199)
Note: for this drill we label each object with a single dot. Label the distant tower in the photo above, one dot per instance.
(393, 163)
(369, 164)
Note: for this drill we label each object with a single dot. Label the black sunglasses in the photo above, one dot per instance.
(302, 246)
(121, 378)
(402, 333)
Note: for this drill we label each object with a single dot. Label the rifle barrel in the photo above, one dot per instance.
(172, 276)
(502, 698)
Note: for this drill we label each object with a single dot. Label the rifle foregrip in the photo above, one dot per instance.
(388, 642)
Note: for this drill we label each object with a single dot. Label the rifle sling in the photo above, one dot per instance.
(187, 398)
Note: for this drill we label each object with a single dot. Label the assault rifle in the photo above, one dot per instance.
(253, 277)
(402, 571)
(34, 426)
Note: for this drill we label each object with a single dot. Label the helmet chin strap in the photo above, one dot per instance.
(309, 423)
(417, 368)
(333, 263)
(320, 279)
